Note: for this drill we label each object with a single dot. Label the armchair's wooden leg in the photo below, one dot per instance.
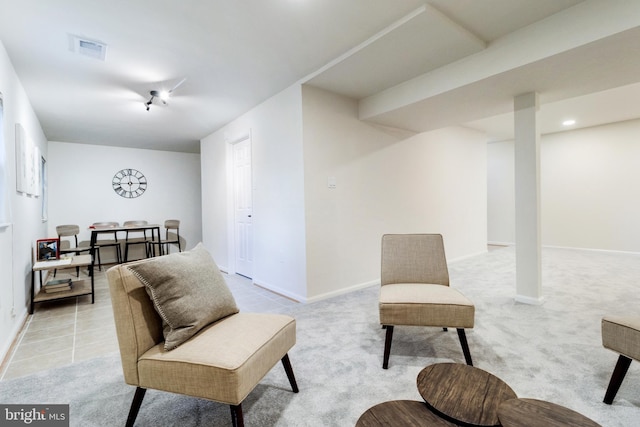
(616, 378)
(289, 370)
(236, 415)
(465, 346)
(135, 406)
(387, 346)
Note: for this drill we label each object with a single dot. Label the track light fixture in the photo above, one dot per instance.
(161, 95)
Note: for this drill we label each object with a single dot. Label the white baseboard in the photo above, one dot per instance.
(463, 257)
(15, 334)
(610, 251)
(529, 300)
(343, 291)
(279, 291)
(305, 300)
(501, 243)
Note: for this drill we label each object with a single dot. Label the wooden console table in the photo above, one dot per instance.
(80, 287)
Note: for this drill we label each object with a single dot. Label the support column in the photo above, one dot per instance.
(527, 198)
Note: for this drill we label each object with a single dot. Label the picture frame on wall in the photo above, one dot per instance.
(47, 249)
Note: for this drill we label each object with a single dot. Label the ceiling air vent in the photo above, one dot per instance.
(86, 47)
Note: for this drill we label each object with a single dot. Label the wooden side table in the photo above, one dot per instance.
(80, 288)
(532, 412)
(463, 394)
(401, 413)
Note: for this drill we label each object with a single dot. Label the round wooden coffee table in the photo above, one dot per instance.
(532, 412)
(401, 413)
(463, 394)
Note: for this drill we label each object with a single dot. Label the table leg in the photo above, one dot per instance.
(33, 284)
(92, 281)
(92, 252)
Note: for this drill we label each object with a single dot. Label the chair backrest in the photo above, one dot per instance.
(106, 224)
(413, 258)
(67, 230)
(172, 224)
(138, 325)
(135, 223)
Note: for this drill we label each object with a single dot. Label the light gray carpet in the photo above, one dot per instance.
(551, 352)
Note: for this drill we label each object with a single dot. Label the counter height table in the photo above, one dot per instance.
(95, 231)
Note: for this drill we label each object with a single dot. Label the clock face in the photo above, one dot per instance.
(129, 183)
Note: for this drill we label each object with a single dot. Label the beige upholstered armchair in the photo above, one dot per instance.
(415, 289)
(622, 335)
(176, 347)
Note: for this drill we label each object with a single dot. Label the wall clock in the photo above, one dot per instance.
(129, 183)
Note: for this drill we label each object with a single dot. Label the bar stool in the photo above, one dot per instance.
(170, 239)
(133, 241)
(100, 244)
(70, 230)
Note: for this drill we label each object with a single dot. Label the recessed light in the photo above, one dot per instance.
(569, 122)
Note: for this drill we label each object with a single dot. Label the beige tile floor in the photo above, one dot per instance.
(67, 331)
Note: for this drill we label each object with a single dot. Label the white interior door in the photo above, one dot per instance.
(243, 207)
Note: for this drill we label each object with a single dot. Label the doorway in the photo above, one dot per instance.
(243, 207)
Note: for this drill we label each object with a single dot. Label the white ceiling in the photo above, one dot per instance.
(236, 54)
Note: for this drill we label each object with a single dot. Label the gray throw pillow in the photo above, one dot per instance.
(188, 292)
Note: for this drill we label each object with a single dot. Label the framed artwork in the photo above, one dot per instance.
(47, 249)
(28, 178)
(21, 160)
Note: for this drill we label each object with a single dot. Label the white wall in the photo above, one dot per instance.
(589, 193)
(312, 242)
(501, 207)
(386, 182)
(80, 190)
(22, 213)
(278, 193)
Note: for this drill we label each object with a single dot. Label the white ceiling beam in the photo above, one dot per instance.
(569, 29)
(365, 43)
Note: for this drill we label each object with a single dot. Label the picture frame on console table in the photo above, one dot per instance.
(47, 249)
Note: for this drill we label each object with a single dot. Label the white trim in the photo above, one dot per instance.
(529, 300)
(280, 291)
(611, 251)
(230, 140)
(492, 243)
(5, 225)
(463, 257)
(19, 330)
(231, 242)
(238, 137)
(343, 291)
(304, 300)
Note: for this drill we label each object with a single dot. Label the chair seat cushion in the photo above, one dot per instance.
(622, 335)
(420, 304)
(224, 361)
